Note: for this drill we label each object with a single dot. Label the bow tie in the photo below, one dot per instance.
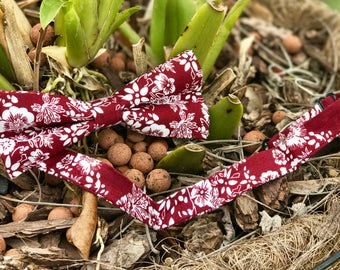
(166, 102)
(37, 128)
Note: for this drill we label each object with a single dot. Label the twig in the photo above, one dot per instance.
(37, 59)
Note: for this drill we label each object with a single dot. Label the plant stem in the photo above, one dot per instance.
(222, 35)
(157, 29)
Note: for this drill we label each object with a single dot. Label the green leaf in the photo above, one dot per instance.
(49, 10)
(225, 116)
(184, 159)
(200, 31)
(157, 29)
(6, 68)
(5, 85)
(222, 35)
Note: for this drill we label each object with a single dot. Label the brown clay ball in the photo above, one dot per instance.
(119, 154)
(2, 245)
(21, 211)
(131, 65)
(158, 150)
(292, 43)
(108, 137)
(32, 54)
(105, 160)
(117, 64)
(253, 136)
(13, 252)
(136, 177)
(49, 35)
(102, 60)
(158, 180)
(60, 212)
(278, 116)
(122, 169)
(75, 210)
(134, 136)
(140, 147)
(142, 161)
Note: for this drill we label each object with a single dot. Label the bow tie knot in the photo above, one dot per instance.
(165, 102)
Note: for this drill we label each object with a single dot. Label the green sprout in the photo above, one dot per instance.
(83, 26)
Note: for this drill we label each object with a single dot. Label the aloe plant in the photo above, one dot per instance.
(83, 26)
(184, 159)
(205, 32)
(225, 116)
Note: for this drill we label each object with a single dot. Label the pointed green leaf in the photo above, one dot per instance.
(49, 10)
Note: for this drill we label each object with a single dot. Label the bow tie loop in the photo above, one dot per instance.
(165, 101)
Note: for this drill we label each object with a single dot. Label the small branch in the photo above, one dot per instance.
(37, 59)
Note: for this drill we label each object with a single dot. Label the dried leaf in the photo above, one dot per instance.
(274, 193)
(246, 212)
(32, 228)
(16, 31)
(123, 253)
(312, 187)
(202, 235)
(82, 231)
(269, 224)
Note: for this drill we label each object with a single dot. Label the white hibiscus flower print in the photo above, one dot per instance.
(188, 61)
(65, 162)
(184, 127)
(164, 84)
(135, 203)
(6, 146)
(156, 130)
(296, 135)
(87, 165)
(37, 158)
(269, 175)
(49, 111)
(201, 193)
(16, 119)
(167, 66)
(279, 157)
(136, 95)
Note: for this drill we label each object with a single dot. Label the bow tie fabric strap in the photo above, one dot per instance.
(291, 148)
(164, 102)
(34, 135)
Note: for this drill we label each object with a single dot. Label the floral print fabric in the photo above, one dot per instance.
(36, 129)
(164, 102)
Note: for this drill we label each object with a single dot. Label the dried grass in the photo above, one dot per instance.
(302, 243)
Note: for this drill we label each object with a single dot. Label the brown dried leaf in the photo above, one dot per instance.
(16, 33)
(202, 235)
(246, 212)
(123, 253)
(312, 187)
(32, 228)
(274, 194)
(82, 231)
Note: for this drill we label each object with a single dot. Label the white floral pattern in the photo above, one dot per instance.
(16, 119)
(157, 105)
(49, 111)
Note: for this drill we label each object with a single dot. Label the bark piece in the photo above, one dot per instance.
(246, 212)
(274, 194)
(202, 235)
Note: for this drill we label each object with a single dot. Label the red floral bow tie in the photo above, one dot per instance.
(164, 102)
(36, 128)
